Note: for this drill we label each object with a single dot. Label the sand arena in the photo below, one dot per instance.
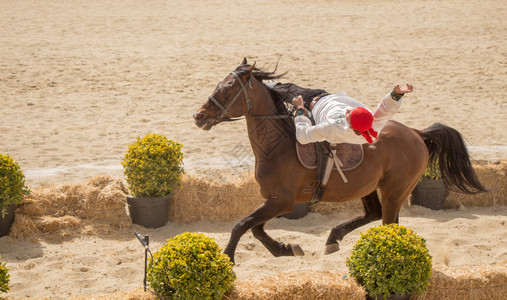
(79, 81)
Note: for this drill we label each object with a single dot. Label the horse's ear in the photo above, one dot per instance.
(244, 62)
(252, 67)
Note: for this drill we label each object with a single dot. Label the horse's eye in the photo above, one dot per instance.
(224, 86)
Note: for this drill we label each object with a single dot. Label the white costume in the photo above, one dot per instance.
(331, 126)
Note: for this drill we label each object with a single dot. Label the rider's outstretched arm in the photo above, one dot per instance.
(389, 105)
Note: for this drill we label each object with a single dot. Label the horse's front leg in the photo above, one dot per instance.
(272, 208)
(276, 248)
(372, 212)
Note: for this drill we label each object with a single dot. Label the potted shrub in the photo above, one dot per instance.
(12, 190)
(190, 266)
(153, 167)
(431, 191)
(4, 278)
(390, 261)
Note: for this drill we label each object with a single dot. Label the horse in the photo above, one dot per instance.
(393, 164)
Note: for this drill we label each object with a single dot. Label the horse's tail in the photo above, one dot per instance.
(447, 147)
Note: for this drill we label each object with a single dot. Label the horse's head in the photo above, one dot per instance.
(229, 99)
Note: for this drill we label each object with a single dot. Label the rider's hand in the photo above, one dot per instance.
(298, 102)
(403, 90)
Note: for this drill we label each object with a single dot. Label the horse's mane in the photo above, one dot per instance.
(285, 92)
(282, 93)
(258, 73)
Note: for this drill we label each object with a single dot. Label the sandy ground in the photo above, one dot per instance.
(80, 80)
(101, 265)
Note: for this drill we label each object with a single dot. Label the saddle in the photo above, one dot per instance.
(344, 157)
(351, 155)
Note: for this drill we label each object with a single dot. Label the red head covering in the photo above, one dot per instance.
(361, 120)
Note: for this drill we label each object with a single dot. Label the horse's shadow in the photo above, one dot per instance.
(470, 213)
(13, 250)
(315, 223)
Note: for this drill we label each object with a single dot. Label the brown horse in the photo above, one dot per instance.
(393, 163)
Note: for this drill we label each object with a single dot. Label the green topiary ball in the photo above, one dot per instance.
(12, 183)
(4, 278)
(391, 259)
(153, 166)
(190, 266)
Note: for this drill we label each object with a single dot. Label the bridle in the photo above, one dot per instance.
(247, 99)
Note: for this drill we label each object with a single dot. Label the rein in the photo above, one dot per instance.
(272, 117)
(248, 103)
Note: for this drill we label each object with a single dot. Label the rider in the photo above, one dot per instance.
(342, 119)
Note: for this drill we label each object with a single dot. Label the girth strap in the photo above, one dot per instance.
(322, 160)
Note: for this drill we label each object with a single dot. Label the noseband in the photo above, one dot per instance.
(243, 88)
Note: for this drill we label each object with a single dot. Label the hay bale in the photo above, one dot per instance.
(468, 283)
(227, 197)
(493, 176)
(137, 294)
(221, 199)
(100, 205)
(298, 285)
(52, 224)
(327, 208)
(62, 211)
(224, 197)
(24, 226)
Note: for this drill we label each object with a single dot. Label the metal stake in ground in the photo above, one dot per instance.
(145, 242)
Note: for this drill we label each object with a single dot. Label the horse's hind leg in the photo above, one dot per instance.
(391, 205)
(372, 212)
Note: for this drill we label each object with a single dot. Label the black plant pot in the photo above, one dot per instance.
(300, 210)
(430, 193)
(392, 297)
(7, 220)
(150, 212)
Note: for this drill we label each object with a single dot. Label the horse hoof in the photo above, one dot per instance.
(331, 248)
(296, 250)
